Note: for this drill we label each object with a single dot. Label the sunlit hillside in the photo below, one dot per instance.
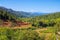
(41, 27)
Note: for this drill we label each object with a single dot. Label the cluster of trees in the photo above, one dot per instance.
(42, 24)
(47, 20)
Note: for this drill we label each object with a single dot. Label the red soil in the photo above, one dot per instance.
(18, 23)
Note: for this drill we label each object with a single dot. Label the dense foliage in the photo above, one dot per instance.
(6, 15)
(49, 20)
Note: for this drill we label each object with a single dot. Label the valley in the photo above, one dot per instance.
(16, 25)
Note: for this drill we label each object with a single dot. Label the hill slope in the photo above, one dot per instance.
(6, 15)
(42, 20)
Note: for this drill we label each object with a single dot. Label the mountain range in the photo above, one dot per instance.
(22, 13)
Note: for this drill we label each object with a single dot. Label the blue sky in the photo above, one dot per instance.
(45, 6)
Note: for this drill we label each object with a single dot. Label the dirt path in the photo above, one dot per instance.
(47, 35)
(58, 36)
(38, 30)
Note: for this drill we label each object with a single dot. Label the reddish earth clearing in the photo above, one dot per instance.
(16, 24)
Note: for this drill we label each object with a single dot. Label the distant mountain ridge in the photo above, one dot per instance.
(18, 13)
(38, 14)
(22, 13)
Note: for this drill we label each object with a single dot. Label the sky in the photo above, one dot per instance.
(45, 6)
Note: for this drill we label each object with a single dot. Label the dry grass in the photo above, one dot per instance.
(46, 35)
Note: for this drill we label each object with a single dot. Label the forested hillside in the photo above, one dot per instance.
(10, 17)
(7, 15)
(43, 20)
(23, 27)
(52, 18)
